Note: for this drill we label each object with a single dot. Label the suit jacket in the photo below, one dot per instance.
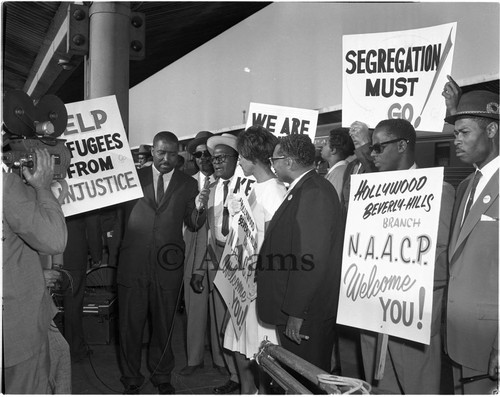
(33, 223)
(213, 249)
(196, 246)
(472, 304)
(300, 258)
(153, 244)
(336, 178)
(441, 261)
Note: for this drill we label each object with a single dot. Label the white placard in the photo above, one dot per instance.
(102, 170)
(389, 252)
(282, 120)
(235, 277)
(397, 75)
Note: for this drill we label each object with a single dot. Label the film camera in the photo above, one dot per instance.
(28, 126)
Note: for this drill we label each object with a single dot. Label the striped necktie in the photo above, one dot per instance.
(225, 212)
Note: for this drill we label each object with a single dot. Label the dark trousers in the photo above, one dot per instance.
(318, 349)
(135, 303)
(75, 262)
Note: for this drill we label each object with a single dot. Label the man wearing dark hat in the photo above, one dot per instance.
(214, 199)
(196, 244)
(472, 302)
(144, 156)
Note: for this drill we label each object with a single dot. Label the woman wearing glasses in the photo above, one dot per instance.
(255, 146)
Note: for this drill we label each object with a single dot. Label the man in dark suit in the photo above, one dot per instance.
(150, 268)
(472, 303)
(298, 277)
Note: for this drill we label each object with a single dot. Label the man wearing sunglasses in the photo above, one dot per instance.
(410, 367)
(196, 243)
(212, 202)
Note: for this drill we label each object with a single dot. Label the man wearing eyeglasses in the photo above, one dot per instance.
(212, 202)
(472, 301)
(410, 367)
(300, 258)
(196, 243)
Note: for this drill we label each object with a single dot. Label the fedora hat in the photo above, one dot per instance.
(224, 139)
(200, 139)
(144, 149)
(476, 104)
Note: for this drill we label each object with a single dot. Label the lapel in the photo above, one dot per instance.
(211, 199)
(288, 199)
(172, 186)
(478, 208)
(457, 215)
(146, 177)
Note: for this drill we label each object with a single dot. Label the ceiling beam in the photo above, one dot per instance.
(53, 65)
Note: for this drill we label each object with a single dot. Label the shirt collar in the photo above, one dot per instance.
(156, 173)
(489, 169)
(296, 180)
(337, 164)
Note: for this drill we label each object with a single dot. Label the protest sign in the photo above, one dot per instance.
(389, 252)
(282, 120)
(102, 170)
(397, 75)
(241, 183)
(235, 277)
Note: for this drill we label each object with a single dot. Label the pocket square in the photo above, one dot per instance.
(488, 218)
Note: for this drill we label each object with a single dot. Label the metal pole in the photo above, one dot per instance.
(108, 62)
(296, 363)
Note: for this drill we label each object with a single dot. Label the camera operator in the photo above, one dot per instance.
(34, 351)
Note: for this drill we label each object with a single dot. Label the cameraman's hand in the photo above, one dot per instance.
(44, 171)
(51, 277)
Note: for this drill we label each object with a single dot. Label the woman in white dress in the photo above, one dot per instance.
(255, 146)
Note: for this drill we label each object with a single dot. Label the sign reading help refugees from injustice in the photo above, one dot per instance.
(389, 252)
(282, 120)
(397, 75)
(102, 170)
(235, 278)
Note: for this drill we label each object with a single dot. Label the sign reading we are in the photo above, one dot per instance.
(282, 120)
(389, 252)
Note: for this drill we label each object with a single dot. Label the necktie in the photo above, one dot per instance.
(160, 189)
(475, 181)
(225, 212)
(207, 182)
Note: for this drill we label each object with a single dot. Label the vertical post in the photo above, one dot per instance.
(381, 355)
(108, 61)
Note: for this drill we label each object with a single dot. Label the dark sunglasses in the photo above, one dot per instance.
(199, 155)
(379, 147)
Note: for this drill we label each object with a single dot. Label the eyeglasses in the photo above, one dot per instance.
(221, 158)
(199, 155)
(379, 147)
(273, 159)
